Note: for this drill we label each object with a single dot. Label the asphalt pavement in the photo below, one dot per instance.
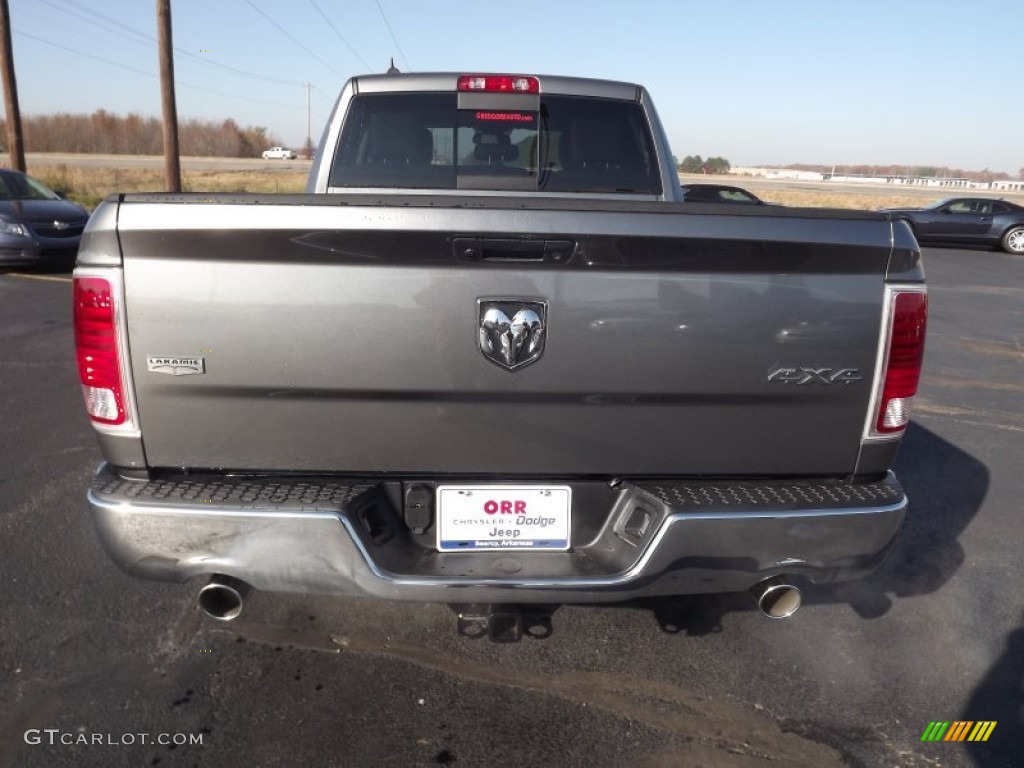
(97, 668)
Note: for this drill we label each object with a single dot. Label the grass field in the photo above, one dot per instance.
(815, 198)
(88, 185)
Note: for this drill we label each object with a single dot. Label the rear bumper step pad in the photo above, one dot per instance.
(656, 538)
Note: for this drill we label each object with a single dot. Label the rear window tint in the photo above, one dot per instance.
(424, 141)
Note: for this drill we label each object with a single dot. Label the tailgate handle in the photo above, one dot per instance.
(506, 251)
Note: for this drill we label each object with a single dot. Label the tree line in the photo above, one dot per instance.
(697, 164)
(926, 171)
(106, 133)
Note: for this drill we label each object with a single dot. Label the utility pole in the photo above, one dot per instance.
(172, 165)
(309, 137)
(14, 140)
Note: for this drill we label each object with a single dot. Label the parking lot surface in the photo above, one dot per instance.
(97, 668)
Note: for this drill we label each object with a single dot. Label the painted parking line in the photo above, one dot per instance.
(40, 277)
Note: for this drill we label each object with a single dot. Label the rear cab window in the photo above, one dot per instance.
(506, 142)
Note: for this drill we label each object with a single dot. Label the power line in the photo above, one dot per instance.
(90, 11)
(388, 25)
(235, 70)
(86, 14)
(150, 74)
(289, 36)
(95, 39)
(83, 53)
(150, 40)
(240, 98)
(73, 28)
(341, 36)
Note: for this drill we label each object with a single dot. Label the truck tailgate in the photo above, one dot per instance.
(341, 335)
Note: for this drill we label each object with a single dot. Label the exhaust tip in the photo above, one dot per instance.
(777, 598)
(223, 597)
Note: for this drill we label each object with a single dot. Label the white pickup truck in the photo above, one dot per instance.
(279, 153)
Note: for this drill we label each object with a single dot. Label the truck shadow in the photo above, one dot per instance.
(946, 487)
(999, 698)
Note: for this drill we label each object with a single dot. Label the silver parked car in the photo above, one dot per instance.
(37, 226)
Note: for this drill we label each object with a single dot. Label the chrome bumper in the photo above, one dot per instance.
(654, 538)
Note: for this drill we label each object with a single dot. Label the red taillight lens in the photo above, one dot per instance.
(99, 368)
(903, 360)
(499, 83)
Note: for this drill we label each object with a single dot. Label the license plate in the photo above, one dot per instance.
(476, 517)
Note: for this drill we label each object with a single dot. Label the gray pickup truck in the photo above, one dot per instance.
(491, 358)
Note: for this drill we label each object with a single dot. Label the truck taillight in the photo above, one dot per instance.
(96, 347)
(499, 83)
(904, 354)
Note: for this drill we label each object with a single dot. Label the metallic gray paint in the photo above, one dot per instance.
(391, 198)
(448, 81)
(671, 190)
(100, 246)
(876, 458)
(320, 171)
(336, 367)
(305, 214)
(905, 265)
(119, 450)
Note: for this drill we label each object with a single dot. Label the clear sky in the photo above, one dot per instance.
(917, 82)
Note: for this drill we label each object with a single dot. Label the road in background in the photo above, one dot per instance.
(39, 159)
(852, 679)
(754, 184)
(926, 195)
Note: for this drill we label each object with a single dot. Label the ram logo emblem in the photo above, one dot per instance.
(512, 332)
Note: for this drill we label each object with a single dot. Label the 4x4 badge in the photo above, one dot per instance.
(512, 331)
(804, 375)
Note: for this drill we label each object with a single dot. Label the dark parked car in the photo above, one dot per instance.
(977, 220)
(718, 193)
(37, 226)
